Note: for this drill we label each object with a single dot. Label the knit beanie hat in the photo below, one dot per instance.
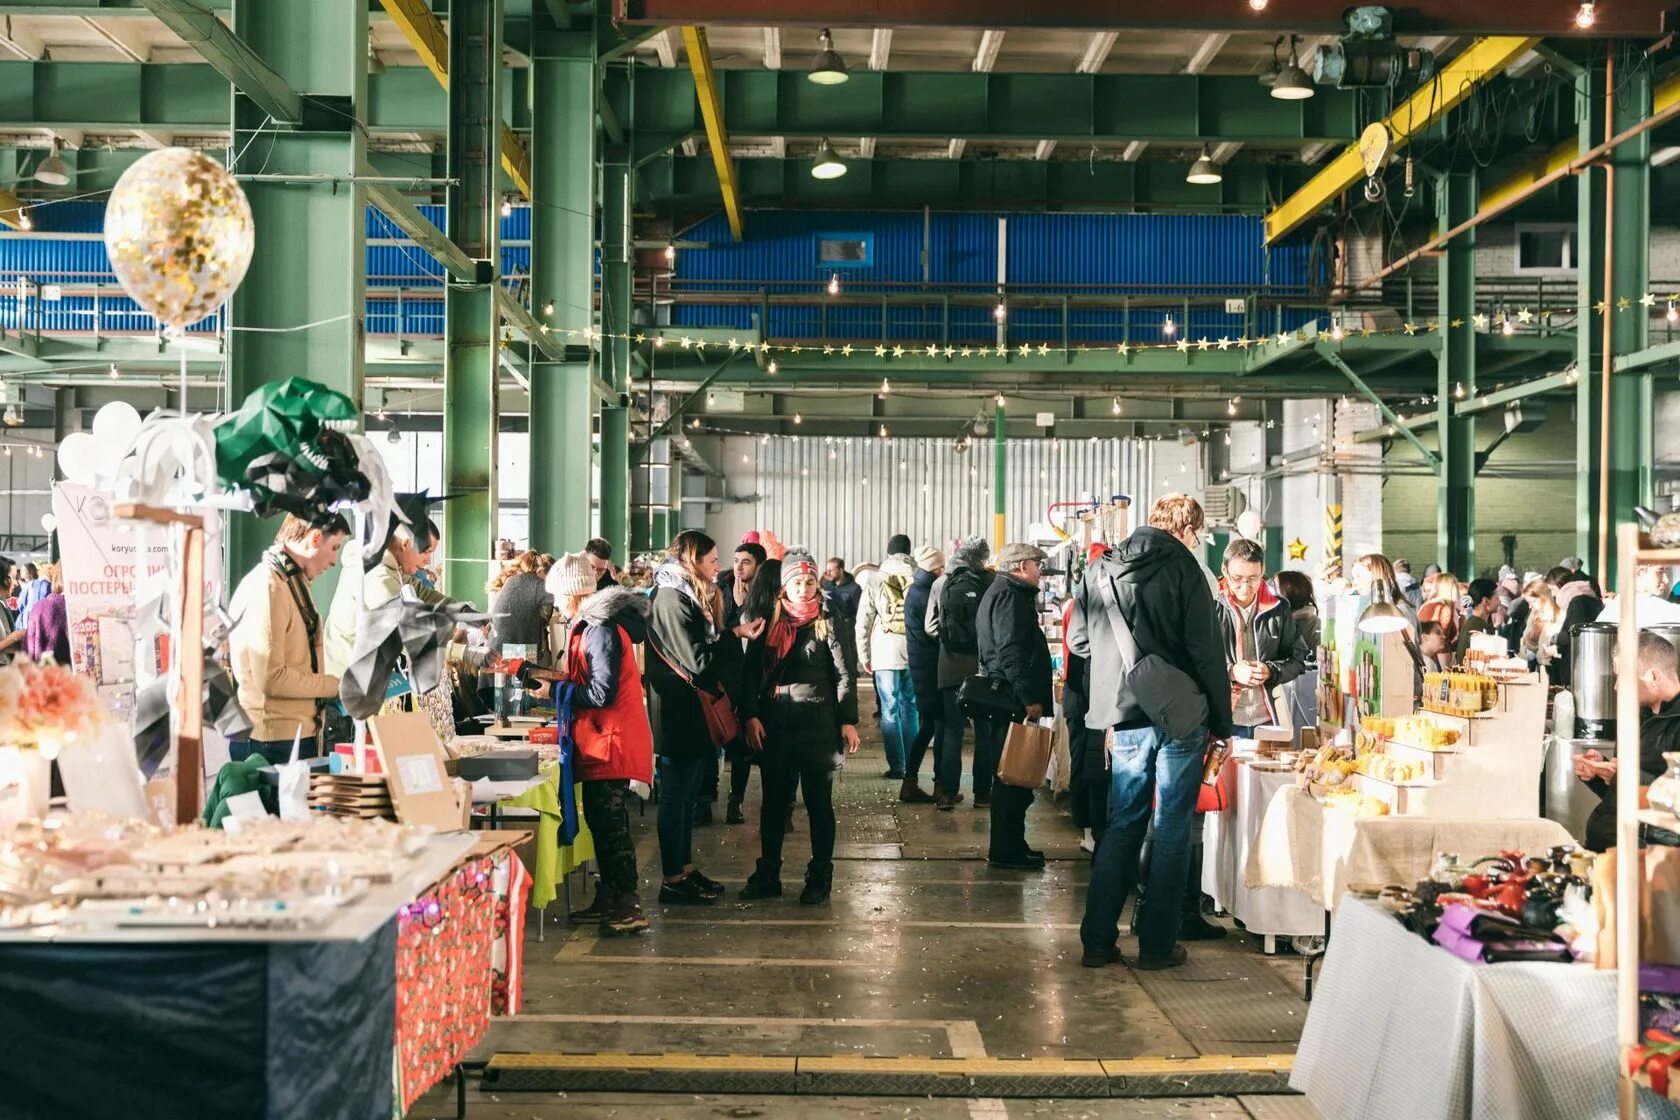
(929, 559)
(798, 562)
(973, 552)
(572, 574)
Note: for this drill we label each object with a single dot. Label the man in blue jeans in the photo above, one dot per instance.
(883, 652)
(1152, 580)
(953, 619)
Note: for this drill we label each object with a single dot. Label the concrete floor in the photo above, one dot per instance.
(923, 951)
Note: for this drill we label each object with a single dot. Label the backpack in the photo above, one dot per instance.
(959, 609)
(891, 610)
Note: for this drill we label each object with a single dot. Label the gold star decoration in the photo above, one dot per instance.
(1297, 549)
(932, 351)
(796, 348)
(1480, 320)
(880, 351)
(827, 350)
(1184, 346)
(966, 351)
(1283, 337)
(1364, 332)
(1123, 348)
(1525, 316)
(1601, 307)
(1243, 342)
(1224, 344)
(764, 347)
(846, 350)
(687, 343)
(1622, 303)
(1411, 328)
(1043, 348)
(949, 351)
(898, 351)
(1648, 300)
(1026, 350)
(1456, 323)
(1434, 327)
(733, 346)
(640, 337)
(1202, 344)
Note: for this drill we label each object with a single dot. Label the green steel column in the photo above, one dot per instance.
(1632, 439)
(562, 270)
(470, 372)
(1000, 476)
(1455, 507)
(617, 290)
(1271, 433)
(310, 264)
(1589, 334)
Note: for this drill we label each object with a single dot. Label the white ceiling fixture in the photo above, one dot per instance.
(52, 170)
(1044, 150)
(1662, 157)
(866, 147)
(125, 42)
(1133, 150)
(772, 48)
(1096, 52)
(879, 47)
(1206, 51)
(955, 149)
(991, 42)
(828, 68)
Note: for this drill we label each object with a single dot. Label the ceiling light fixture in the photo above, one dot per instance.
(828, 68)
(1116, 406)
(507, 208)
(1584, 17)
(670, 252)
(1204, 171)
(771, 368)
(114, 373)
(1168, 327)
(394, 436)
(1257, 5)
(52, 170)
(23, 220)
(1000, 311)
(834, 284)
(548, 309)
(1292, 83)
(827, 165)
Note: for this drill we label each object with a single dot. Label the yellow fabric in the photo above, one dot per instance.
(554, 860)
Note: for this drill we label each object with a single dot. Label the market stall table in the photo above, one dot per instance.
(1401, 1028)
(1229, 834)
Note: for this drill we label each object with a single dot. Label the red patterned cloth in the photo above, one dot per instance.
(447, 976)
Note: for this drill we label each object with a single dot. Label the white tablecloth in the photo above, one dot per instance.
(1226, 839)
(1401, 1028)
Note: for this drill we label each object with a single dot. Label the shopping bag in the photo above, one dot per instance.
(1026, 755)
(294, 784)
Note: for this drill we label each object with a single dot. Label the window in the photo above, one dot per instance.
(1546, 248)
(845, 250)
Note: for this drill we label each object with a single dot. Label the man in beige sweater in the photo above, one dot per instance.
(275, 644)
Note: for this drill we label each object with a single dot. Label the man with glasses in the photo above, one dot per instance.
(1263, 646)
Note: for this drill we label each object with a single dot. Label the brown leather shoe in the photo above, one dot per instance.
(1155, 964)
(913, 794)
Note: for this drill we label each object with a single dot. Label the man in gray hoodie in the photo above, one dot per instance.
(883, 653)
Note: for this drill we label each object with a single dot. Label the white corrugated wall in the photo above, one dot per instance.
(846, 497)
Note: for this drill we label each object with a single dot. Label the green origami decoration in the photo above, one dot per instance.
(281, 416)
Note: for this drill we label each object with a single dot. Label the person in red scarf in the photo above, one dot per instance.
(801, 721)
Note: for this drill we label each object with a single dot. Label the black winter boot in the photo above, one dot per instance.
(1142, 878)
(1191, 925)
(764, 882)
(819, 881)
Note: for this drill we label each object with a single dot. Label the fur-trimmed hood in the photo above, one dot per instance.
(617, 606)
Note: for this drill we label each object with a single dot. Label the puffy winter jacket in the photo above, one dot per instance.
(921, 648)
(875, 647)
(812, 694)
(609, 709)
(1012, 646)
(1277, 639)
(1165, 600)
(843, 599)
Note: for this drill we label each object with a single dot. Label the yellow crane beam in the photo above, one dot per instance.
(711, 110)
(426, 34)
(12, 210)
(1440, 95)
(1665, 95)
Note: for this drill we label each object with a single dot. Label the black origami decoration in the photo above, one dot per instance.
(152, 705)
(324, 474)
(412, 510)
(387, 633)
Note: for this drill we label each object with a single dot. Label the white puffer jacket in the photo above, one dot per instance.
(876, 648)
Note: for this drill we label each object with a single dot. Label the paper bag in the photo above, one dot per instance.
(1026, 756)
(1659, 906)
(294, 784)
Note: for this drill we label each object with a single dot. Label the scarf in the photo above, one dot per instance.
(790, 618)
(278, 559)
(673, 575)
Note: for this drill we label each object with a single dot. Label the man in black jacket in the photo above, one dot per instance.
(922, 649)
(1659, 696)
(1263, 646)
(1013, 649)
(1154, 583)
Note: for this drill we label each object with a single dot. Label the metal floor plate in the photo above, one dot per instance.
(1228, 1004)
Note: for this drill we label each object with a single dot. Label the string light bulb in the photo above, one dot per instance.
(1116, 408)
(670, 252)
(1336, 332)
(834, 284)
(1257, 5)
(798, 419)
(883, 431)
(885, 387)
(1458, 391)
(25, 224)
(771, 368)
(1507, 326)
(507, 208)
(1227, 439)
(115, 374)
(1585, 15)
(1672, 313)
(548, 309)
(1000, 311)
(1168, 327)
(999, 400)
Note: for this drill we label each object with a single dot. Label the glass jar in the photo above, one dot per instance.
(1448, 870)
(1665, 791)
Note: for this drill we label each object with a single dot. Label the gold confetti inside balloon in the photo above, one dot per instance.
(179, 233)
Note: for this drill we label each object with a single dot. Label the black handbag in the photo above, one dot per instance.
(983, 697)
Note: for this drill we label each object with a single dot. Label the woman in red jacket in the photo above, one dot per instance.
(614, 742)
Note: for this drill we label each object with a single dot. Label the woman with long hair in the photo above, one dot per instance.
(1440, 605)
(1545, 618)
(1297, 588)
(1374, 568)
(689, 653)
(802, 722)
(519, 603)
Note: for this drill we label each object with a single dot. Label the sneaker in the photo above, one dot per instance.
(1101, 958)
(913, 794)
(595, 912)
(1015, 863)
(947, 804)
(1155, 964)
(895, 775)
(685, 892)
(702, 814)
(710, 887)
(735, 816)
(626, 918)
(761, 886)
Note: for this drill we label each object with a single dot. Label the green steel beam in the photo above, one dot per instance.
(1632, 407)
(1455, 505)
(617, 291)
(564, 95)
(407, 217)
(1660, 354)
(1499, 398)
(301, 306)
(1329, 354)
(966, 184)
(230, 57)
(1169, 108)
(472, 374)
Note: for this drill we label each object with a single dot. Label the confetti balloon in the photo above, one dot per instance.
(179, 233)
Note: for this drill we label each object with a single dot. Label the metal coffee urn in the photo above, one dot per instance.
(1593, 681)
